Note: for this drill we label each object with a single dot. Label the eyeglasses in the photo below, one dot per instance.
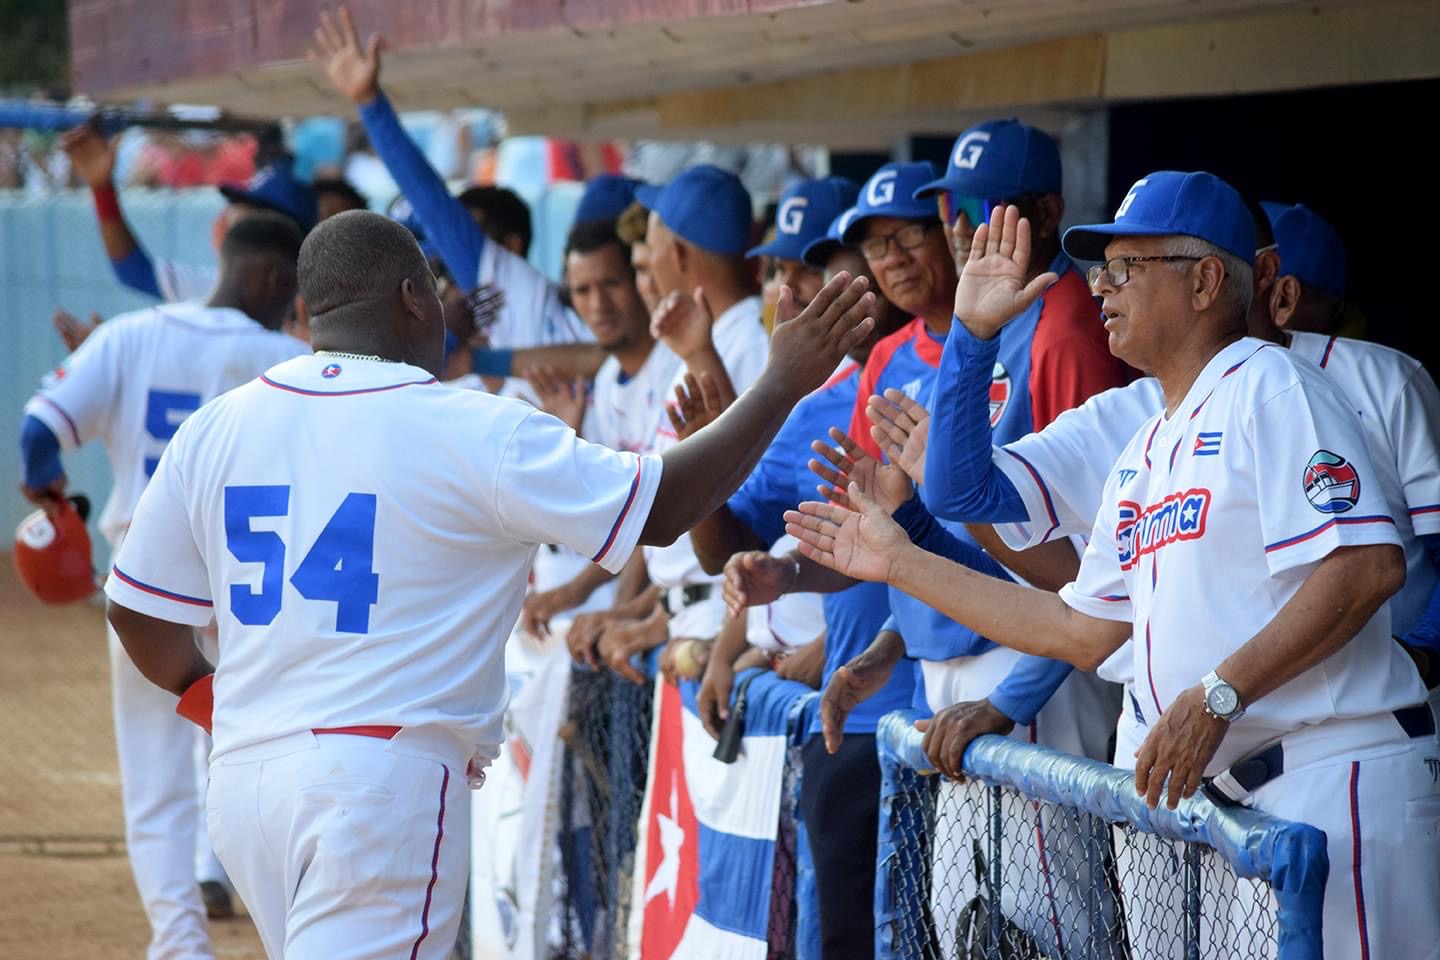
(1116, 270)
(906, 238)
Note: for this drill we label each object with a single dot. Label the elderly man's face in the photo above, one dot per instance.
(1144, 315)
(916, 278)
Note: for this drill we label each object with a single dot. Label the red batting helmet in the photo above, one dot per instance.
(53, 556)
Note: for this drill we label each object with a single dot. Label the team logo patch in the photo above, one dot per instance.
(1180, 516)
(1332, 485)
(1000, 390)
(331, 371)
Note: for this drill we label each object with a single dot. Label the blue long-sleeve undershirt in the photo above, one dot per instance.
(136, 271)
(1033, 680)
(447, 224)
(39, 452)
(1426, 631)
(961, 481)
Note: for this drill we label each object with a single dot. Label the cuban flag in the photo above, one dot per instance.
(709, 829)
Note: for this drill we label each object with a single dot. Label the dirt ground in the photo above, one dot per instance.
(65, 887)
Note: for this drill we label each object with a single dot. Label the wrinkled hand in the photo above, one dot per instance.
(1179, 747)
(621, 640)
(91, 155)
(559, 397)
(540, 608)
(901, 427)
(856, 682)
(697, 404)
(950, 731)
(354, 70)
(862, 542)
(885, 483)
(72, 329)
(683, 323)
(584, 635)
(992, 290)
(713, 700)
(50, 498)
(804, 665)
(806, 348)
(755, 578)
(684, 658)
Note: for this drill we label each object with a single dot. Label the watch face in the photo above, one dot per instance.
(1223, 700)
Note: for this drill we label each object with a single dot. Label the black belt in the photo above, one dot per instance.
(689, 595)
(1258, 769)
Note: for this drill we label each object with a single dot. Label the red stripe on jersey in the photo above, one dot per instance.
(624, 511)
(342, 393)
(1311, 534)
(1324, 359)
(156, 591)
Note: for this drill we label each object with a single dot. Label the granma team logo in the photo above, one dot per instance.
(1331, 483)
(1000, 387)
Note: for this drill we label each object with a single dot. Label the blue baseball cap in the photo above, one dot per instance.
(274, 187)
(890, 192)
(805, 212)
(1168, 203)
(1310, 249)
(606, 197)
(703, 205)
(818, 252)
(403, 213)
(1000, 160)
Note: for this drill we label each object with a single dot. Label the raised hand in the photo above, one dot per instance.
(353, 69)
(861, 543)
(697, 403)
(992, 290)
(886, 483)
(755, 578)
(901, 428)
(72, 329)
(91, 155)
(558, 397)
(807, 347)
(683, 323)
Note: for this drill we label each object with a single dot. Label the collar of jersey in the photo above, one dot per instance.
(1222, 365)
(196, 313)
(305, 376)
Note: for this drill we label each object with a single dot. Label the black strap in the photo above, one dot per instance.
(1417, 721)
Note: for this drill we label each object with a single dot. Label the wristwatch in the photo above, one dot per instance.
(1222, 701)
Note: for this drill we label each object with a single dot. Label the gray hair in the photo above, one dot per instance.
(1238, 287)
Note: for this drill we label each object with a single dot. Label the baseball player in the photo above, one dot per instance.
(1247, 514)
(515, 305)
(131, 384)
(365, 573)
(274, 188)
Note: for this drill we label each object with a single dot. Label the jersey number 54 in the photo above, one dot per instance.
(339, 567)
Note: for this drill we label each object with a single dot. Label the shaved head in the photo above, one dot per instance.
(355, 257)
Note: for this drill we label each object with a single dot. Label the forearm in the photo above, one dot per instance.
(448, 225)
(1028, 687)
(633, 580)
(812, 577)
(1048, 566)
(731, 642)
(961, 480)
(720, 536)
(569, 360)
(589, 580)
(926, 532)
(1022, 618)
(1331, 606)
(701, 473)
(708, 360)
(165, 653)
(114, 231)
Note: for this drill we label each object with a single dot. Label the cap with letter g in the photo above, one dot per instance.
(1000, 160)
(804, 213)
(1310, 249)
(704, 205)
(890, 192)
(1169, 203)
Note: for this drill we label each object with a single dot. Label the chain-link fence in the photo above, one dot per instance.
(1045, 855)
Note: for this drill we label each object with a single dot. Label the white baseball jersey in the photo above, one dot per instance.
(627, 413)
(530, 312)
(364, 535)
(138, 376)
(1212, 519)
(744, 346)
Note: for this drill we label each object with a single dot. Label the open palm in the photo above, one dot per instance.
(901, 428)
(861, 543)
(992, 288)
(353, 68)
(885, 483)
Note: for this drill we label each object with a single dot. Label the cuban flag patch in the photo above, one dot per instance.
(1207, 444)
(1332, 485)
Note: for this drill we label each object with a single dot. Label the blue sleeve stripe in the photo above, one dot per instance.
(1044, 492)
(156, 591)
(624, 512)
(1311, 534)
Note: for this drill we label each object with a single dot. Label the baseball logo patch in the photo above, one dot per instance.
(1000, 390)
(1331, 484)
(331, 371)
